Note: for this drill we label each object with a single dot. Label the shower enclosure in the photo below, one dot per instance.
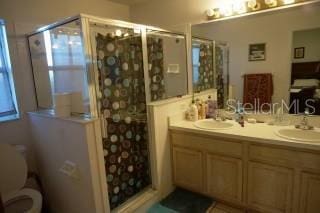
(112, 70)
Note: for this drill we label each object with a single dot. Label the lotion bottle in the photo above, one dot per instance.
(194, 116)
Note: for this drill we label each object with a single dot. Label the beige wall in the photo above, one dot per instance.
(22, 17)
(274, 29)
(310, 40)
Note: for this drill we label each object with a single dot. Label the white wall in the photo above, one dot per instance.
(274, 29)
(22, 17)
(310, 40)
(58, 140)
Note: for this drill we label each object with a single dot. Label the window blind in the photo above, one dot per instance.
(7, 105)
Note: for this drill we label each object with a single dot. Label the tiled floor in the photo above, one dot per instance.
(221, 208)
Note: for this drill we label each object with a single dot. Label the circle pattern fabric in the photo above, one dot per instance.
(123, 105)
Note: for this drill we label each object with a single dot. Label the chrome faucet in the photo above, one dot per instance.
(279, 115)
(304, 123)
(218, 116)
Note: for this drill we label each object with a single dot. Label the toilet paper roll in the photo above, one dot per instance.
(62, 99)
(62, 111)
(77, 102)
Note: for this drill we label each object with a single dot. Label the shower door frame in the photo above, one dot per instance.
(91, 67)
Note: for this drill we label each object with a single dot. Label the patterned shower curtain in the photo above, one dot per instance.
(123, 104)
(206, 76)
(156, 68)
(219, 65)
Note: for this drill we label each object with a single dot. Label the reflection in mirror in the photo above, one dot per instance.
(263, 61)
(202, 64)
(222, 72)
(305, 71)
(167, 61)
(210, 67)
(58, 64)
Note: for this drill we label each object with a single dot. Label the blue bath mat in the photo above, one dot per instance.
(158, 208)
(183, 201)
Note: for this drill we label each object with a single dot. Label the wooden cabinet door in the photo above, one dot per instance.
(270, 188)
(188, 168)
(310, 193)
(224, 177)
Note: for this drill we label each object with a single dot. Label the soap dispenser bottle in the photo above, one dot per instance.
(193, 113)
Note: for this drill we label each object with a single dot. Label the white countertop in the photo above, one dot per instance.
(260, 133)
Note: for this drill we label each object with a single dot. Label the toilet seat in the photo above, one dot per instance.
(13, 176)
(32, 194)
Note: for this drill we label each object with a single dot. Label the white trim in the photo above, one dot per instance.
(173, 100)
(133, 204)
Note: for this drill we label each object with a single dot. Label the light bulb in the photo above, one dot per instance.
(239, 6)
(288, 1)
(271, 3)
(210, 12)
(253, 5)
(226, 10)
(118, 33)
(213, 13)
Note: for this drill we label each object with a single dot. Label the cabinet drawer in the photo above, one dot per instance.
(210, 144)
(284, 157)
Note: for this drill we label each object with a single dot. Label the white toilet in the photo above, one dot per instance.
(13, 176)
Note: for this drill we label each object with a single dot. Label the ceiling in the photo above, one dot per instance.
(129, 2)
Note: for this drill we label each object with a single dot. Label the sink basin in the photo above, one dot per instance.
(300, 135)
(212, 124)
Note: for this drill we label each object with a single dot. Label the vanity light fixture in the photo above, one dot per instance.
(240, 7)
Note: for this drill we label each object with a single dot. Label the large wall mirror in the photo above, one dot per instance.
(273, 57)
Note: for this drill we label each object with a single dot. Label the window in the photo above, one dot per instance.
(8, 104)
(195, 63)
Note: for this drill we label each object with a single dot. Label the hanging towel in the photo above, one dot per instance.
(258, 90)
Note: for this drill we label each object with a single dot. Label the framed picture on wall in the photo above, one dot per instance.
(257, 52)
(299, 52)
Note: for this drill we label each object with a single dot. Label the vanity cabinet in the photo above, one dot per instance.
(208, 166)
(248, 174)
(269, 187)
(187, 172)
(310, 193)
(224, 177)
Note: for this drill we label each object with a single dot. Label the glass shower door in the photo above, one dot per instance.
(122, 105)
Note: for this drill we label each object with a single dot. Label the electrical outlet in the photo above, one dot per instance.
(70, 169)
